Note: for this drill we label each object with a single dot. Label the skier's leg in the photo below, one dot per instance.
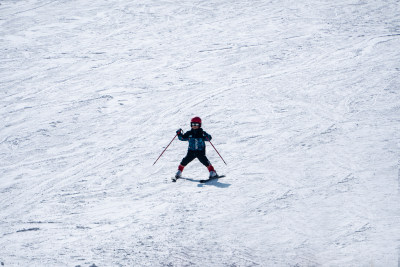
(204, 160)
(210, 168)
(179, 172)
(181, 167)
(191, 155)
(186, 160)
(201, 155)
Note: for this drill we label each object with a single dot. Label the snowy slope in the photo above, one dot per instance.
(301, 97)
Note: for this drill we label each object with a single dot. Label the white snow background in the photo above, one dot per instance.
(302, 99)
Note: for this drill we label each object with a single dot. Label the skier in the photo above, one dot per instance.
(197, 148)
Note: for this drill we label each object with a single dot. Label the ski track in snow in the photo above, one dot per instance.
(301, 98)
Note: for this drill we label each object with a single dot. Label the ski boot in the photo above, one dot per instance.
(178, 174)
(213, 174)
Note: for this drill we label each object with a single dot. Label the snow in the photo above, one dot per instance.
(301, 97)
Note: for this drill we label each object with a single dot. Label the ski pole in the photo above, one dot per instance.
(216, 150)
(165, 149)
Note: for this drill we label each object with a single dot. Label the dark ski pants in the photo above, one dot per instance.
(192, 154)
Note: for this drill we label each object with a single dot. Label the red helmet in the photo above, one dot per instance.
(195, 120)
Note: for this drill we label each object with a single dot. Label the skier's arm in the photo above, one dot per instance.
(207, 137)
(181, 136)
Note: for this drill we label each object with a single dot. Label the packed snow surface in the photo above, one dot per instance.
(302, 99)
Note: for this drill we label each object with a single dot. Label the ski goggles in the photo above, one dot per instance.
(194, 124)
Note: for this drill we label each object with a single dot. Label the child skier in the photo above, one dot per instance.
(197, 148)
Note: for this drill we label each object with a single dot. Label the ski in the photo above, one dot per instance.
(173, 179)
(213, 178)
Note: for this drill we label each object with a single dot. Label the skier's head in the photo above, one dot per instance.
(195, 123)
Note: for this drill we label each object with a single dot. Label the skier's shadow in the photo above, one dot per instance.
(214, 182)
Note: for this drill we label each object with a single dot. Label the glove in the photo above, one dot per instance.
(179, 132)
